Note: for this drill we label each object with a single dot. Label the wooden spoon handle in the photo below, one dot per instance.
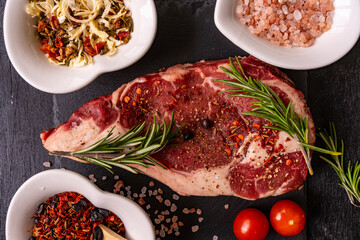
(110, 234)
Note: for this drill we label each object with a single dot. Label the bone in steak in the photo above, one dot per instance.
(230, 154)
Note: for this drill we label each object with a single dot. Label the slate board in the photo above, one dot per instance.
(186, 33)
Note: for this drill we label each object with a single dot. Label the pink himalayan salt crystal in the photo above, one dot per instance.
(297, 15)
(284, 8)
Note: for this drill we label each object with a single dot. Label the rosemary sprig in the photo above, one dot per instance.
(131, 148)
(350, 177)
(270, 107)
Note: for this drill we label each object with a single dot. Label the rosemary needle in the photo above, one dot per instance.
(131, 148)
(350, 177)
(270, 107)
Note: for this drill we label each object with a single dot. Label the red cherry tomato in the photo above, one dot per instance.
(287, 218)
(251, 224)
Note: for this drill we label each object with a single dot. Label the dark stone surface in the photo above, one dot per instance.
(186, 33)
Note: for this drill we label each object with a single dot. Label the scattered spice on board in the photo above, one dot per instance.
(291, 23)
(163, 212)
(70, 215)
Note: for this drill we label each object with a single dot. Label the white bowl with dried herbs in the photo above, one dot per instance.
(34, 67)
(46, 184)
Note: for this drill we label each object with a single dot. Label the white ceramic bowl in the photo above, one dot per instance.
(40, 187)
(328, 48)
(33, 66)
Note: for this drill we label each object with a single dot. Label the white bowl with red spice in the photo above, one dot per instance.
(33, 66)
(326, 49)
(46, 184)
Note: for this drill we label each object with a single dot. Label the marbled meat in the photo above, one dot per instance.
(225, 152)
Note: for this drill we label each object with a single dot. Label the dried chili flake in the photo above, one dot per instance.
(138, 91)
(288, 162)
(126, 99)
(69, 215)
(257, 126)
(268, 160)
(227, 150)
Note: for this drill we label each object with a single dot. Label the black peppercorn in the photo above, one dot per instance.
(189, 135)
(98, 234)
(83, 202)
(96, 216)
(103, 212)
(77, 207)
(36, 220)
(40, 209)
(53, 205)
(206, 123)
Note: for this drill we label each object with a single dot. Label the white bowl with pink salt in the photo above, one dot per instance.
(293, 34)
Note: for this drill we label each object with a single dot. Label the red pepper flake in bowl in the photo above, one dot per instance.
(291, 23)
(70, 215)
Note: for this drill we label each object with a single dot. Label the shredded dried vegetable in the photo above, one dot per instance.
(71, 32)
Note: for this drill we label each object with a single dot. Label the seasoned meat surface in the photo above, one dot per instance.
(222, 152)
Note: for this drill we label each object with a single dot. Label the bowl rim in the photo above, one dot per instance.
(132, 220)
(90, 75)
(278, 57)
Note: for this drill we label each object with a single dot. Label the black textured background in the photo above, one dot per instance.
(186, 33)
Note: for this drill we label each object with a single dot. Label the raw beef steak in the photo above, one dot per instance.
(225, 152)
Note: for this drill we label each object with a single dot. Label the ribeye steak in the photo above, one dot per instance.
(229, 154)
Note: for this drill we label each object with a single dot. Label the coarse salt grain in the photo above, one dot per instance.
(195, 228)
(215, 237)
(297, 15)
(162, 233)
(173, 207)
(186, 211)
(167, 202)
(284, 8)
(176, 197)
(226, 206)
(116, 177)
(200, 219)
(47, 164)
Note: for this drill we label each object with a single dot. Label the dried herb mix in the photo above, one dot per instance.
(70, 215)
